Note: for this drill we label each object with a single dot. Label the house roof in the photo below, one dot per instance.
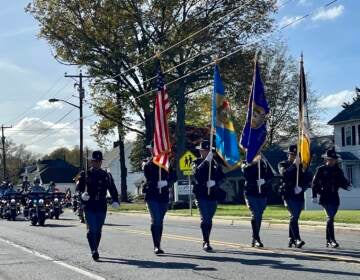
(348, 156)
(350, 113)
(58, 171)
(58, 174)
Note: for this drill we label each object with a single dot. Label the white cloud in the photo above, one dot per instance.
(44, 136)
(289, 20)
(335, 100)
(304, 2)
(45, 105)
(328, 14)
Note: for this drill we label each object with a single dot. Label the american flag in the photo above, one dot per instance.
(162, 145)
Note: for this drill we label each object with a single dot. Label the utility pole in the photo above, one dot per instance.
(3, 148)
(81, 97)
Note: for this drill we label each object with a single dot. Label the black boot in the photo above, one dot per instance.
(256, 242)
(93, 245)
(155, 232)
(299, 243)
(331, 241)
(160, 231)
(206, 230)
(291, 242)
(291, 237)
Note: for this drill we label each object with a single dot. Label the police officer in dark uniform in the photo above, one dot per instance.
(94, 185)
(256, 192)
(326, 183)
(157, 197)
(293, 194)
(205, 190)
(25, 185)
(37, 186)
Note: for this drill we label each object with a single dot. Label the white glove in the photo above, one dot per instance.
(297, 161)
(209, 156)
(298, 190)
(210, 183)
(161, 184)
(115, 204)
(315, 200)
(85, 196)
(260, 182)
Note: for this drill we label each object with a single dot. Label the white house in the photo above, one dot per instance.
(112, 164)
(347, 145)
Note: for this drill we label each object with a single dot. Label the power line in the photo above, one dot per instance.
(231, 53)
(172, 46)
(53, 125)
(42, 96)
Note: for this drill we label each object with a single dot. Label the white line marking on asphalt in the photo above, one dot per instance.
(61, 263)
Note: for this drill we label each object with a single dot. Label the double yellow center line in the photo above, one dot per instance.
(280, 251)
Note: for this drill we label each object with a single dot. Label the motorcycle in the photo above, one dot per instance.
(56, 205)
(12, 208)
(2, 208)
(37, 204)
(78, 207)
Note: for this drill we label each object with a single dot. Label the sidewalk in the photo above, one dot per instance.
(237, 221)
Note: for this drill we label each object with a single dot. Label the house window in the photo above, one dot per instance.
(348, 136)
(353, 132)
(349, 173)
(343, 136)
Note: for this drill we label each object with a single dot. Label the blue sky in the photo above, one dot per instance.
(329, 39)
(29, 74)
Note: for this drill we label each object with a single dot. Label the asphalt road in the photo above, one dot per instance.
(60, 251)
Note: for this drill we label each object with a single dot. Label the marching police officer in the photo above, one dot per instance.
(293, 193)
(94, 184)
(256, 191)
(206, 191)
(157, 197)
(326, 183)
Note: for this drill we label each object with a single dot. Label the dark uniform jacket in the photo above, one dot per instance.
(287, 170)
(251, 174)
(98, 182)
(326, 184)
(201, 176)
(151, 173)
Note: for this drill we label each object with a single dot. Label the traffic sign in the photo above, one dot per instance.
(186, 161)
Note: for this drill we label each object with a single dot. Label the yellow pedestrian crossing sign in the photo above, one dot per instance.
(186, 161)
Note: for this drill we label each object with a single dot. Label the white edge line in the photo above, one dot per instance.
(45, 257)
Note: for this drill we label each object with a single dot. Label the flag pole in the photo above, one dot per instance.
(211, 131)
(159, 177)
(299, 123)
(259, 172)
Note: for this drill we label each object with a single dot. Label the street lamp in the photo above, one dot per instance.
(80, 107)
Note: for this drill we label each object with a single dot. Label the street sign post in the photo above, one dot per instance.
(185, 164)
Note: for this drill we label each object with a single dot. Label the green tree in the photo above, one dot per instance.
(109, 37)
(17, 158)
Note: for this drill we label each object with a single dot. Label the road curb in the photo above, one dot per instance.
(307, 226)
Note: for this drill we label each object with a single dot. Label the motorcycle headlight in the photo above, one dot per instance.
(12, 201)
(56, 200)
(41, 201)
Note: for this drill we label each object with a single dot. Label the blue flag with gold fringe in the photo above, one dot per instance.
(254, 133)
(226, 142)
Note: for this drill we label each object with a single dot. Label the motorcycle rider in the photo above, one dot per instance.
(37, 186)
